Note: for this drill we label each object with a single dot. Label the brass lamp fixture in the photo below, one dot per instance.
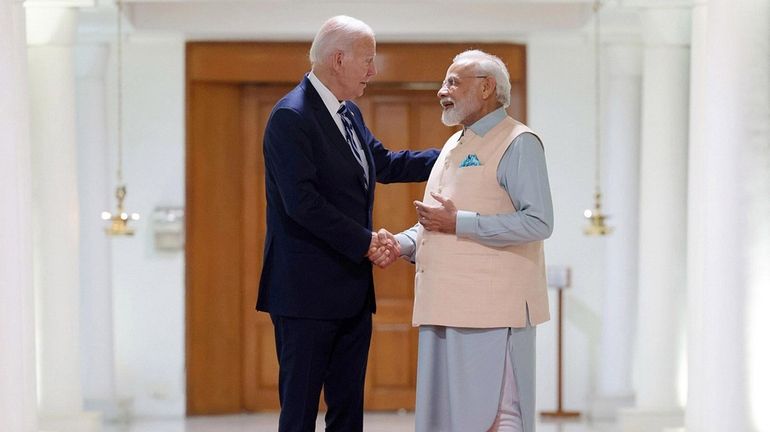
(596, 225)
(120, 218)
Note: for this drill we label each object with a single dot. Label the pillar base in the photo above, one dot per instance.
(85, 421)
(647, 420)
(608, 407)
(111, 410)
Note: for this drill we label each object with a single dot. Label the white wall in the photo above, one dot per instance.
(561, 109)
(149, 286)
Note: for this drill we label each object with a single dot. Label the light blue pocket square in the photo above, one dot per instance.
(470, 160)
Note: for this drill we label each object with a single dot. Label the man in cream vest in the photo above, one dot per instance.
(480, 285)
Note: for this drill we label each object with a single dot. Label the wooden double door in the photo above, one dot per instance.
(231, 89)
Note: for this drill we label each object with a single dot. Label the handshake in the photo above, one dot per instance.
(384, 249)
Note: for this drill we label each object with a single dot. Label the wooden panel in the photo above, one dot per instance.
(286, 62)
(251, 252)
(280, 62)
(213, 250)
(392, 372)
(518, 108)
(260, 364)
(393, 203)
(408, 62)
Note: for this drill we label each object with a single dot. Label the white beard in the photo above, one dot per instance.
(459, 112)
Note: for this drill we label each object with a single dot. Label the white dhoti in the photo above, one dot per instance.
(460, 377)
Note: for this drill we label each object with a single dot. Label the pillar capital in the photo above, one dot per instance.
(51, 25)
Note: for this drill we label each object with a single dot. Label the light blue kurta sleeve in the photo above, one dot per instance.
(407, 241)
(522, 173)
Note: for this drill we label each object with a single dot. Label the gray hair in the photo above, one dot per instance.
(491, 65)
(337, 33)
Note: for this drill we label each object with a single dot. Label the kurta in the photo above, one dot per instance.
(460, 370)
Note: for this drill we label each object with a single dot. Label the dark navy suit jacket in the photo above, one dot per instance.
(319, 212)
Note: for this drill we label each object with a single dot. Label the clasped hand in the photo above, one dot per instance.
(384, 249)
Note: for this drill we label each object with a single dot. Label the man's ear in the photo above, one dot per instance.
(488, 87)
(337, 59)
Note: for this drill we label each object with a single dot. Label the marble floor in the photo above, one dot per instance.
(373, 422)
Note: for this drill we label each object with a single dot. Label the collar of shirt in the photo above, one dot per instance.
(328, 98)
(486, 123)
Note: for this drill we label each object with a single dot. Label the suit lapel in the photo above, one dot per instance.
(333, 134)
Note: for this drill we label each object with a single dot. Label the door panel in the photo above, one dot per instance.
(260, 366)
(214, 199)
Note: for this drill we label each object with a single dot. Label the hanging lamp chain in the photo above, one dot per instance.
(120, 218)
(597, 99)
(595, 216)
(119, 52)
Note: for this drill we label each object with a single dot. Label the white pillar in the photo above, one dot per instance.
(730, 234)
(622, 117)
(55, 218)
(18, 402)
(662, 223)
(97, 341)
(697, 195)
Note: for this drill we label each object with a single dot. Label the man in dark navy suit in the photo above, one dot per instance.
(321, 166)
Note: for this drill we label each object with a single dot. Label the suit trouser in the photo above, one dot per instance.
(322, 353)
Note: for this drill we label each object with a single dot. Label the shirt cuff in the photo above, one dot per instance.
(406, 244)
(466, 223)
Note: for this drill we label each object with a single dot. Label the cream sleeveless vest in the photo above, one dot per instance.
(461, 283)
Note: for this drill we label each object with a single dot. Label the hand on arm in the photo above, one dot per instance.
(383, 249)
(441, 218)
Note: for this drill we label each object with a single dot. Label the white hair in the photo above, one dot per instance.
(337, 34)
(491, 65)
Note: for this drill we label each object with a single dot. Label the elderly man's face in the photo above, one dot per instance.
(460, 95)
(357, 68)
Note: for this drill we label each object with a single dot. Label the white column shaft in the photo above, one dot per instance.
(55, 216)
(662, 226)
(697, 384)
(621, 139)
(754, 61)
(731, 236)
(18, 402)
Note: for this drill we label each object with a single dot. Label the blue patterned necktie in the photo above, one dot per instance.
(347, 122)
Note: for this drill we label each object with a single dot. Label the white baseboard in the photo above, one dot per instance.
(643, 420)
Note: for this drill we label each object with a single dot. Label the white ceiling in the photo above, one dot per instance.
(392, 20)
